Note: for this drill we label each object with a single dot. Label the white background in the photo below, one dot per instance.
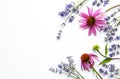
(28, 45)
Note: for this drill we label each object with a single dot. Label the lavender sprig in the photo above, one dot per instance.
(68, 69)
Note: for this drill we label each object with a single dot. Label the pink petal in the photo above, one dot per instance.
(84, 26)
(92, 30)
(83, 15)
(99, 17)
(90, 11)
(82, 21)
(101, 22)
(96, 13)
(85, 66)
(99, 27)
(92, 55)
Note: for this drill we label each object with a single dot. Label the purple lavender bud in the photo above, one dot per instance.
(110, 49)
(94, 2)
(107, 18)
(71, 18)
(101, 70)
(62, 13)
(105, 73)
(68, 6)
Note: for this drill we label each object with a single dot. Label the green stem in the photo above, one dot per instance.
(97, 73)
(76, 75)
(72, 76)
(101, 54)
(112, 8)
(79, 74)
(106, 56)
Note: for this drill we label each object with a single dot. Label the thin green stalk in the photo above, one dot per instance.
(97, 73)
(112, 8)
(106, 56)
(76, 75)
(79, 74)
(101, 54)
(73, 76)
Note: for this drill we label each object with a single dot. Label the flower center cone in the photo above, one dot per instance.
(90, 21)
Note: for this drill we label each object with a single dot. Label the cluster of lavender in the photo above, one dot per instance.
(114, 50)
(67, 69)
(99, 3)
(68, 14)
(109, 25)
(111, 29)
(112, 37)
(110, 70)
(69, 8)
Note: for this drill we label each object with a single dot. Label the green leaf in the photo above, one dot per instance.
(105, 61)
(106, 49)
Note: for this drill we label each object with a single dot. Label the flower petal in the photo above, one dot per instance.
(100, 22)
(90, 11)
(84, 26)
(83, 15)
(82, 21)
(92, 30)
(85, 66)
(99, 27)
(96, 13)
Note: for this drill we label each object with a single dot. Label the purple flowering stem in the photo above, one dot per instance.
(71, 11)
(97, 73)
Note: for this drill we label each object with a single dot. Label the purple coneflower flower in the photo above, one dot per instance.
(92, 21)
(87, 61)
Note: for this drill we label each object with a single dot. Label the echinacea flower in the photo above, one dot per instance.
(92, 21)
(87, 61)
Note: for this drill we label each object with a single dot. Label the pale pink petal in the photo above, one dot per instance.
(89, 33)
(96, 13)
(100, 16)
(92, 30)
(99, 27)
(92, 55)
(91, 63)
(90, 11)
(82, 21)
(84, 26)
(83, 15)
(100, 22)
(85, 66)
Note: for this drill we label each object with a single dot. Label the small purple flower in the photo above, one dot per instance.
(110, 49)
(71, 18)
(63, 13)
(101, 70)
(68, 6)
(117, 38)
(105, 73)
(94, 2)
(107, 18)
(60, 66)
